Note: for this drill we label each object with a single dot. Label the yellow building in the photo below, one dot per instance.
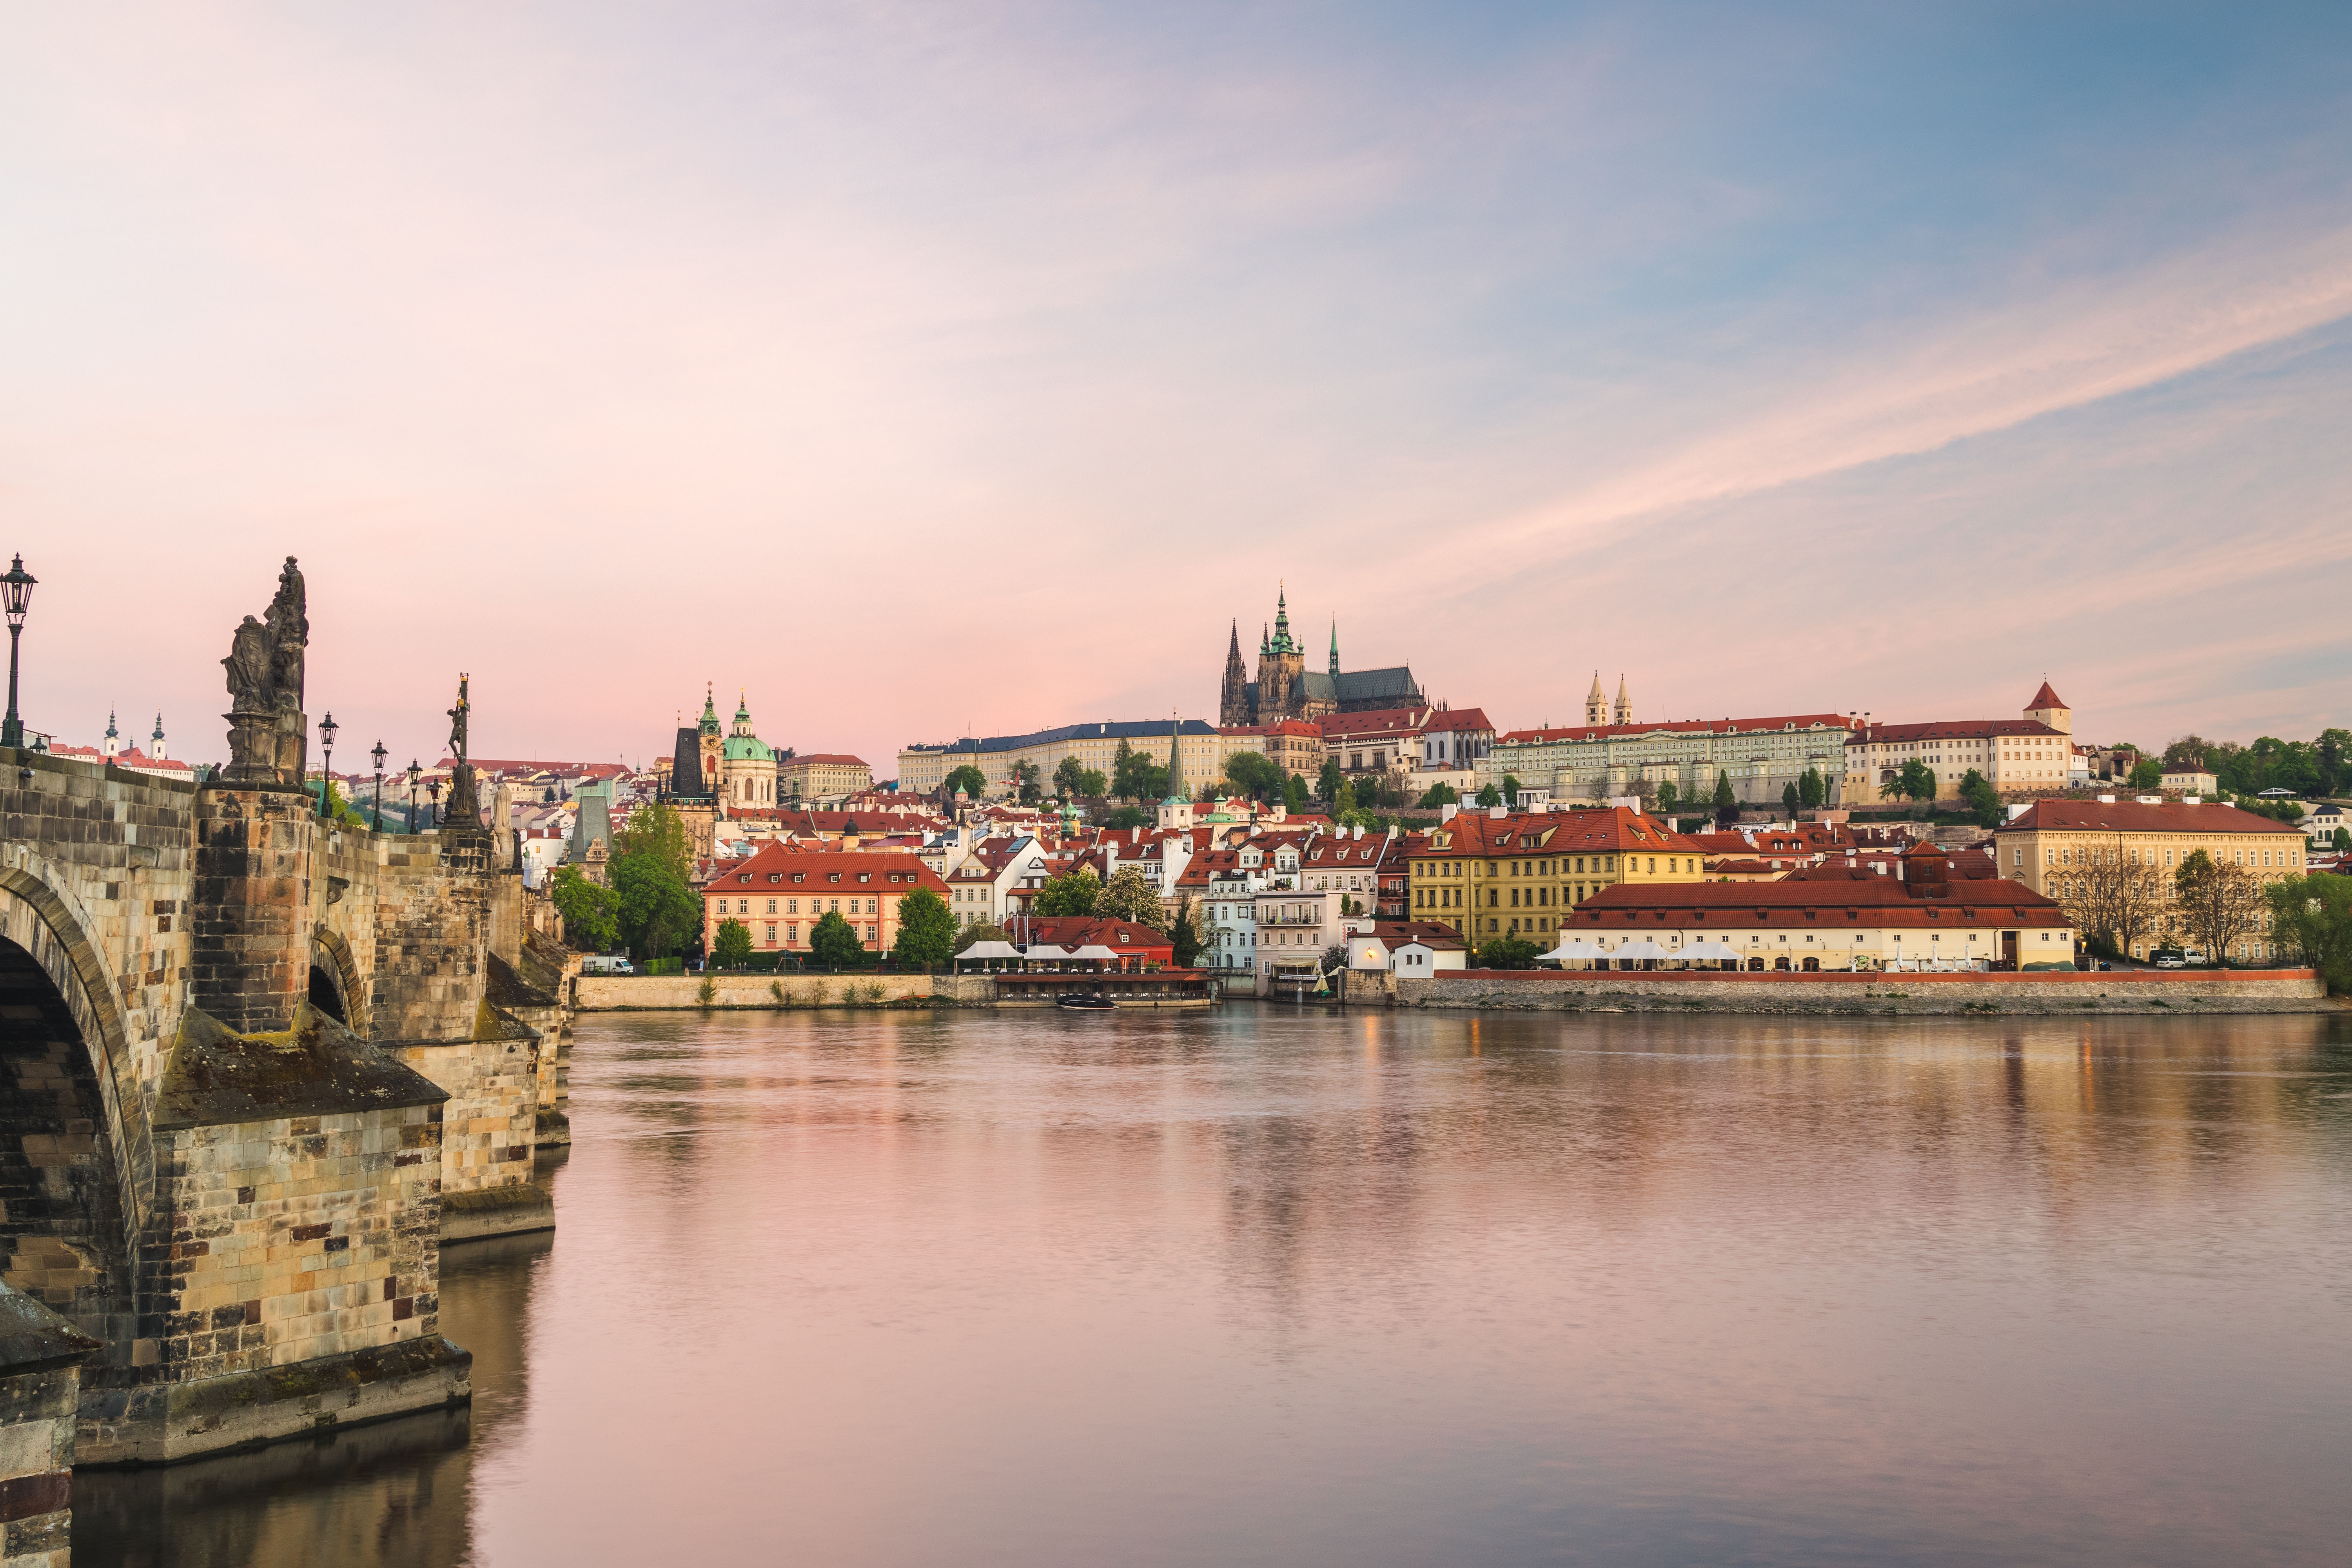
(822, 776)
(1484, 875)
(2043, 845)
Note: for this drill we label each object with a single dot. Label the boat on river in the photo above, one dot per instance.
(1086, 1004)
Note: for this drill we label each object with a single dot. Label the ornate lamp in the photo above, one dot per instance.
(378, 755)
(432, 789)
(15, 593)
(414, 773)
(327, 728)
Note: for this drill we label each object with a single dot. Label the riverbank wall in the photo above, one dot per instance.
(772, 993)
(2138, 991)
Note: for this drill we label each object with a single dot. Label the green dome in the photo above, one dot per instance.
(746, 748)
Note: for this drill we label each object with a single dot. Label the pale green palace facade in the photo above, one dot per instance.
(1595, 761)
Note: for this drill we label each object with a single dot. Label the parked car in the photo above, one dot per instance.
(2170, 960)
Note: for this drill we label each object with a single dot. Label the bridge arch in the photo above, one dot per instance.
(336, 988)
(74, 1150)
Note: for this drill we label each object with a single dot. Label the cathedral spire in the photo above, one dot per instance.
(1624, 703)
(1335, 648)
(1596, 703)
(156, 741)
(1176, 790)
(113, 745)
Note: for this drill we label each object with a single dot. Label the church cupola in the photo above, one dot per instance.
(113, 745)
(155, 742)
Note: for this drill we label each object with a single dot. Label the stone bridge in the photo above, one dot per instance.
(255, 1068)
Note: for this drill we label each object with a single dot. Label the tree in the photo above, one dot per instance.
(978, 932)
(1669, 797)
(658, 912)
(2327, 753)
(1344, 803)
(2147, 773)
(966, 780)
(731, 948)
(1128, 897)
(1507, 953)
(1812, 790)
(1025, 781)
(1255, 775)
(339, 810)
(2113, 896)
(1489, 796)
(1727, 803)
(2311, 916)
(1328, 781)
(2187, 752)
(1977, 791)
(1293, 794)
(2341, 838)
(1128, 816)
(659, 835)
(1134, 776)
(1072, 893)
(1184, 931)
(1790, 798)
(926, 930)
(1511, 789)
(1438, 794)
(833, 943)
(1915, 781)
(590, 923)
(2216, 901)
(1070, 777)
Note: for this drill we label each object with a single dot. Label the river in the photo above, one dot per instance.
(1268, 1285)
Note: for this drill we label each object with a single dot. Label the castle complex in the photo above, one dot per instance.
(1286, 689)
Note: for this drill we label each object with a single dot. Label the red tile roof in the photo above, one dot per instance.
(2131, 817)
(795, 867)
(1860, 901)
(2045, 697)
(1461, 718)
(1604, 830)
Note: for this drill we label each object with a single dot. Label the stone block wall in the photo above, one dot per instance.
(625, 993)
(490, 1126)
(39, 1389)
(431, 926)
(249, 906)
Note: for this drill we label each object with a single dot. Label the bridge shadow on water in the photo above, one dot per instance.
(395, 1494)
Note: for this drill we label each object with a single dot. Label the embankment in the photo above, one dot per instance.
(2138, 991)
(767, 992)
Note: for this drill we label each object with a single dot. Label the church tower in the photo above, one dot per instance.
(709, 739)
(156, 742)
(1281, 669)
(1232, 696)
(1624, 703)
(1596, 703)
(1334, 649)
(113, 745)
(2046, 709)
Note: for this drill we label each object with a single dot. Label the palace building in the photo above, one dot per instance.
(1286, 689)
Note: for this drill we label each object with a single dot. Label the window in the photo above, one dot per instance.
(772, 910)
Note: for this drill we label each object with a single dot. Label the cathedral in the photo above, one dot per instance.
(1287, 688)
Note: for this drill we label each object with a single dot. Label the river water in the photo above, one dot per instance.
(1266, 1286)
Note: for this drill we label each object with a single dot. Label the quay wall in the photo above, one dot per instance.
(666, 993)
(2232, 991)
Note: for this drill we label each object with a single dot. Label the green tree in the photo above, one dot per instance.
(1489, 796)
(2147, 773)
(1328, 781)
(659, 835)
(1185, 932)
(1072, 893)
(1727, 803)
(1507, 953)
(1812, 790)
(1981, 798)
(2311, 918)
(926, 930)
(1128, 897)
(2341, 838)
(1669, 797)
(1438, 794)
(1790, 798)
(658, 912)
(1511, 789)
(1128, 817)
(968, 780)
(1293, 794)
(339, 810)
(978, 931)
(1025, 781)
(1913, 781)
(1344, 803)
(1077, 781)
(731, 948)
(1255, 775)
(833, 943)
(590, 922)
(2216, 901)
(1134, 776)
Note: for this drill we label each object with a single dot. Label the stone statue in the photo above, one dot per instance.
(457, 720)
(464, 813)
(268, 742)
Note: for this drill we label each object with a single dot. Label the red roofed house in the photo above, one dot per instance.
(2035, 752)
(782, 892)
(1138, 946)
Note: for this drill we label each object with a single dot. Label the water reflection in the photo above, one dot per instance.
(1288, 1286)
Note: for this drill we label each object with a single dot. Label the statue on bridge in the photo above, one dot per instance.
(464, 813)
(267, 741)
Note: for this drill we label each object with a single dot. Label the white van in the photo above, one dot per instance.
(606, 963)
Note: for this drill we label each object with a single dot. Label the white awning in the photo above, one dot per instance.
(1644, 949)
(989, 950)
(1047, 952)
(1577, 951)
(1095, 951)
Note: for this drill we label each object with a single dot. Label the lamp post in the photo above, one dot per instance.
(414, 773)
(378, 755)
(327, 728)
(432, 789)
(18, 587)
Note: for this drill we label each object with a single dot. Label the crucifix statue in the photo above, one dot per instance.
(457, 720)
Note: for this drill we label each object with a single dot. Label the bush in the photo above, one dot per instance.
(1507, 953)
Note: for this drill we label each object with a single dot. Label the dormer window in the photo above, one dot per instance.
(833, 876)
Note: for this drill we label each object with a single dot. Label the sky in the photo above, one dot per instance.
(922, 371)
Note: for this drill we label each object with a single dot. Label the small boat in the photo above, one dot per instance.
(1085, 1003)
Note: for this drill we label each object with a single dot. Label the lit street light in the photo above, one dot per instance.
(433, 811)
(18, 587)
(378, 755)
(327, 728)
(414, 774)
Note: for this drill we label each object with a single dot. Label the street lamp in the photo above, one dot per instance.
(378, 755)
(18, 587)
(433, 788)
(327, 728)
(414, 771)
